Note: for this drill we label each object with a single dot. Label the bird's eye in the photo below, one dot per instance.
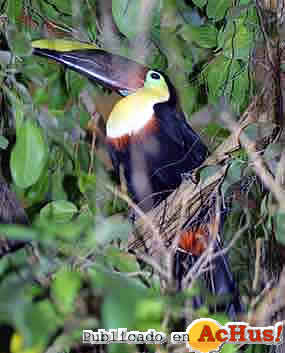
(154, 79)
(155, 76)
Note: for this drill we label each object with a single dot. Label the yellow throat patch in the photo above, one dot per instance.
(133, 112)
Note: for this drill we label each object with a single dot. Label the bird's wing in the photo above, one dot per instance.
(180, 132)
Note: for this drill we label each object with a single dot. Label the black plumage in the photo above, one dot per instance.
(170, 149)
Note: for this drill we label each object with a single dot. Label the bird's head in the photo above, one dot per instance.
(112, 71)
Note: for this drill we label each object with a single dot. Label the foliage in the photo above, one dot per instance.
(81, 279)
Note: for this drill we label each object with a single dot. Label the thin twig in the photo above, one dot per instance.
(257, 264)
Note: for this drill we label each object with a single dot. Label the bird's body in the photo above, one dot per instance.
(147, 134)
(156, 154)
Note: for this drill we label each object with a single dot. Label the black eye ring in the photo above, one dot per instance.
(155, 75)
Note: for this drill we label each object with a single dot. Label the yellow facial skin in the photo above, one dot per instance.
(132, 113)
(62, 45)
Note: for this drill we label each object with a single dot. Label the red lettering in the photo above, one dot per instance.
(268, 335)
(206, 332)
(254, 334)
(279, 331)
(219, 336)
(237, 333)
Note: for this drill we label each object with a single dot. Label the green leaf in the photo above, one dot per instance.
(19, 42)
(273, 151)
(216, 130)
(237, 11)
(220, 76)
(121, 260)
(13, 302)
(252, 131)
(134, 17)
(54, 12)
(280, 227)
(236, 40)
(18, 232)
(217, 9)
(14, 10)
(68, 232)
(200, 3)
(57, 191)
(19, 114)
(205, 36)
(240, 91)
(113, 228)
(222, 318)
(208, 172)
(59, 211)
(65, 288)
(149, 312)
(64, 6)
(86, 182)
(229, 348)
(119, 310)
(28, 157)
(3, 142)
(255, 348)
(38, 191)
(75, 82)
(216, 74)
(40, 330)
(234, 173)
(40, 96)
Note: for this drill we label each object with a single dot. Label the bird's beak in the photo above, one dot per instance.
(111, 70)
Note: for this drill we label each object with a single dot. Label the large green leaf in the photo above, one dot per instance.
(29, 155)
(205, 36)
(40, 331)
(236, 40)
(133, 16)
(38, 191)
(119, 307)
(217, 9)
(57, 11)
(64, 289)
(217, 74)
(60, 211)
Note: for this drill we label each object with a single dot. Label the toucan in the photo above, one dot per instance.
(146, 131)
(147, 134)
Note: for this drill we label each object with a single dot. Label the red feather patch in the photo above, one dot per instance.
(194, 241)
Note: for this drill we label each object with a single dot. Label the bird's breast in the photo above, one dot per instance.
(141, 136)
(132, 114)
